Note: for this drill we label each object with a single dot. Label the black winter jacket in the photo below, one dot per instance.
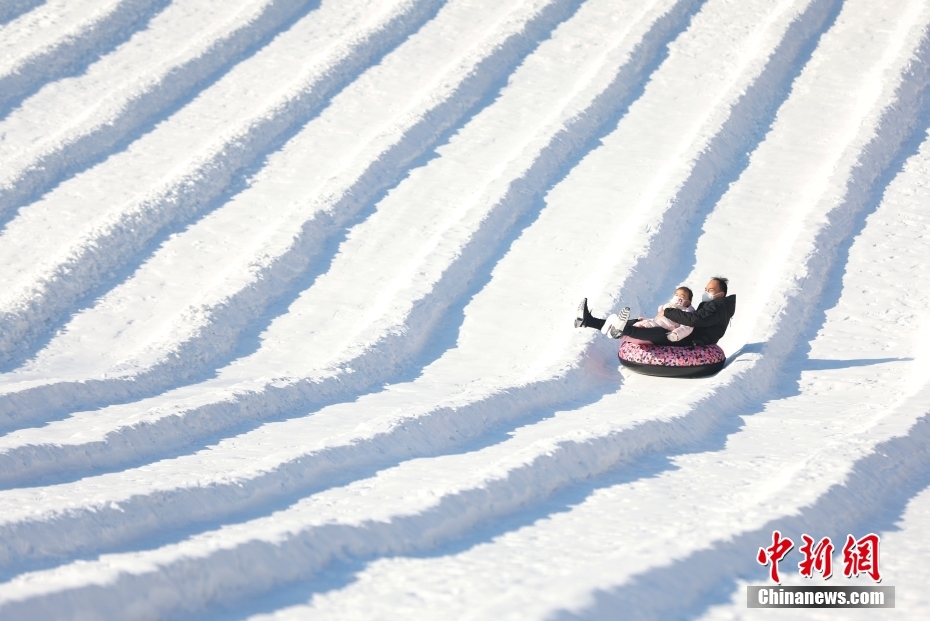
(710, 320)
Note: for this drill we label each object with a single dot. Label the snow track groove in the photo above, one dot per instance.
(600, 450)
(60, 38)
(488, 221)
(80, 253)
(322, 202)
(93, 113)
(11, 9)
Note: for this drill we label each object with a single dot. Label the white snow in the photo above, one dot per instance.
(288, 288)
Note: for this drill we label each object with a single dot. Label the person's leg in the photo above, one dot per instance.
(584, 319)
(594, 322)
(656, 336)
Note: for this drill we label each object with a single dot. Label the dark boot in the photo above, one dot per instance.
(583, 317)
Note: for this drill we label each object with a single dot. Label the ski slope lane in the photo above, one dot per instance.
(174, 172)
(71, 123)
(59, 37)
(463, 216)
(133, 343)
(420, 418)
(810, 458)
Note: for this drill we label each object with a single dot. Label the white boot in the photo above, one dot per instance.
(615, 330)
(609, 323)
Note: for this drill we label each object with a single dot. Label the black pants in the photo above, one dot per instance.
(657, 336)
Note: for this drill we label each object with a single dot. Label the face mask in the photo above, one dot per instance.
(707, 297)
(677, 301)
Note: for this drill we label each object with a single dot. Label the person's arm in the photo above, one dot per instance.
(709, 314)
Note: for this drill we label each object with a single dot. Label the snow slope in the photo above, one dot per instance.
(288, 289)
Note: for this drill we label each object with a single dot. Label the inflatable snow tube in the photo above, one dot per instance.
(664, 361)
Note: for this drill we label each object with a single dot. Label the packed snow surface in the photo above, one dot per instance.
(288, 289)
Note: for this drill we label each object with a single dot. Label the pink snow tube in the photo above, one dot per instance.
(664, 361)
